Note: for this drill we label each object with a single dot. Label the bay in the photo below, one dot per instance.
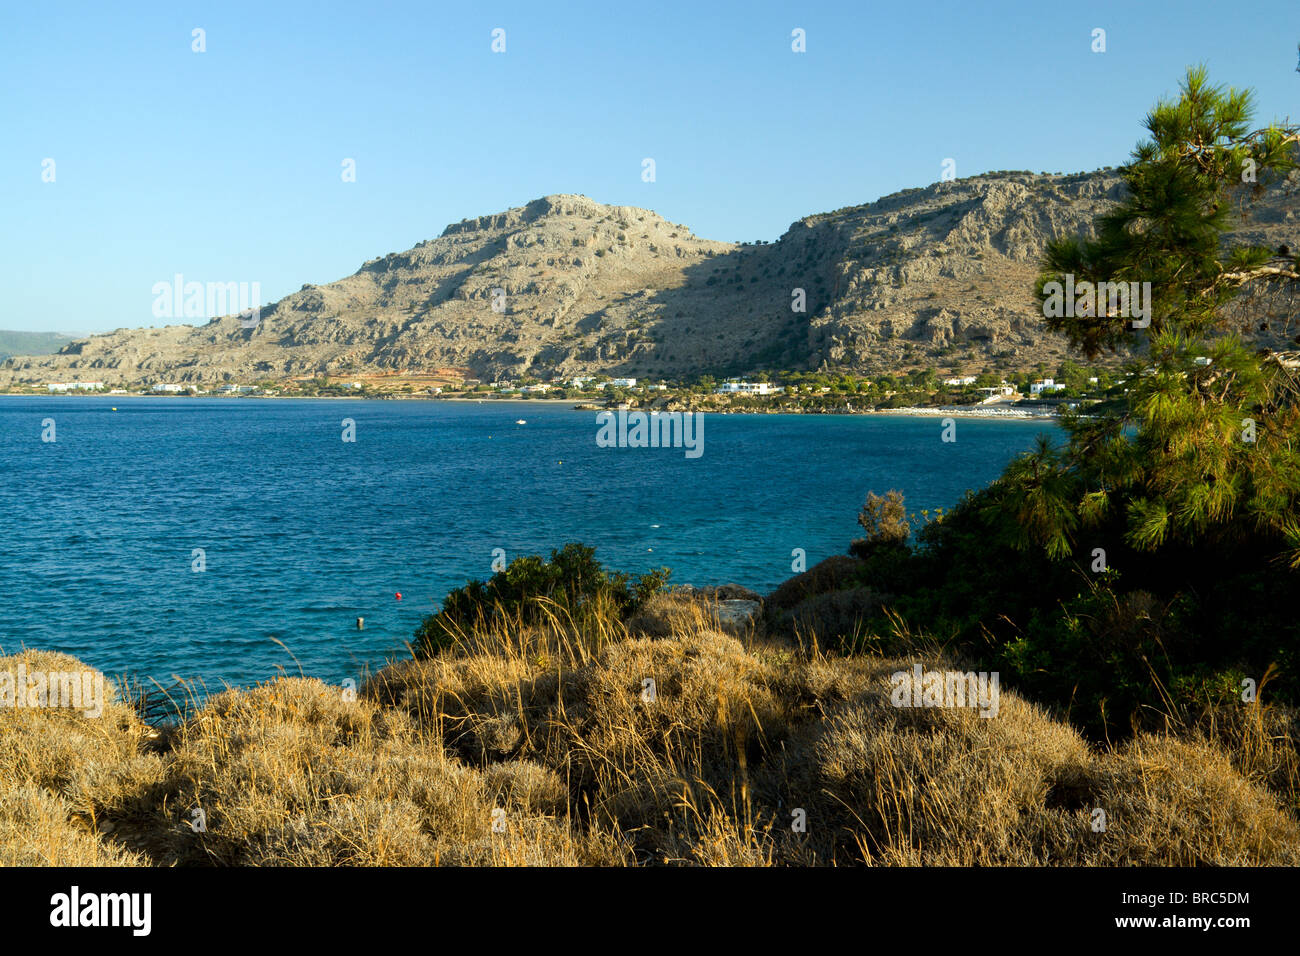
(301, 532)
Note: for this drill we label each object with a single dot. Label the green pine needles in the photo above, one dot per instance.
(1204, 450)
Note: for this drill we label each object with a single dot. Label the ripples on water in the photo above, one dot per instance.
(304, 533)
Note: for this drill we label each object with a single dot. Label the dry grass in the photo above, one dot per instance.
(541, 747)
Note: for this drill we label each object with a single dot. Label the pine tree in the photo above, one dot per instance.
(1204, 452)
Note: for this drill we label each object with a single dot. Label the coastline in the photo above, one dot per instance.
(579, 404)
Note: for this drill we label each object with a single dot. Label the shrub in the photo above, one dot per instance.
(836, 619)
(531, 591)
(884, 518)
(836, 572)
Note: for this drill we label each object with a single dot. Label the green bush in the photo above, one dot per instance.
(1153, 640)
(1138, 571)
(531, 590)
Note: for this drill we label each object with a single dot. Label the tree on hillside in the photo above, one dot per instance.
(1204, 450)
(1145, 566)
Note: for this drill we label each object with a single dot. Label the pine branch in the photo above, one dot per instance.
(1240, 277)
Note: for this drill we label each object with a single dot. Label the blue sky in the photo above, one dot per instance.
(226, 165)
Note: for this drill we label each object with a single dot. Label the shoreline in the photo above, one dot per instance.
(915, 411)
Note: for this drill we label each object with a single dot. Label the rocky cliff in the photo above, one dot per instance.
(935, 276)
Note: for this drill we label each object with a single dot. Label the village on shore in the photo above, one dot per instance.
(921, 391)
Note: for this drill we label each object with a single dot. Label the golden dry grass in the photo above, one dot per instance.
(541, 747)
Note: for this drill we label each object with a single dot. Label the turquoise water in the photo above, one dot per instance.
(303, 533)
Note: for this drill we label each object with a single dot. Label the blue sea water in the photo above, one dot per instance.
(303, 533)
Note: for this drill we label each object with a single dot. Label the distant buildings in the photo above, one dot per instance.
(75, 386)
(617, 383)
(964, 380)
(162, 387)
(747, 388)
(590, 382)
(1045, 385)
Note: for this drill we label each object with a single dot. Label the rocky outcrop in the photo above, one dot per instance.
(936, 276)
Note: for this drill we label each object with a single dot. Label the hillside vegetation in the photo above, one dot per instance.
(1133, 590)
(31, 343)
(539, 746)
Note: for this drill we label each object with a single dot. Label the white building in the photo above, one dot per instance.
(747, 388)
(964, 380)
(1044, 385)
(75, 386)
(536, 389)
(163, 387)
(623, 382)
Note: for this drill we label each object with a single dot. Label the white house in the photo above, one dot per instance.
(1044, 385)
(623, 382)
(747, 388)
(1003, 389)
(75, 386)
(536, 389)
(964, 380)
(164, 387)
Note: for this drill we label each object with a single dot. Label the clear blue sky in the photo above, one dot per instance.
(225, 165)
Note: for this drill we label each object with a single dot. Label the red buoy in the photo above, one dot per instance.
(399, 595)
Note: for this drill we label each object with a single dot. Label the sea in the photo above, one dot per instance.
(228, 541)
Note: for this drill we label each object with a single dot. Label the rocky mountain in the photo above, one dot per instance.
(563, 285)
